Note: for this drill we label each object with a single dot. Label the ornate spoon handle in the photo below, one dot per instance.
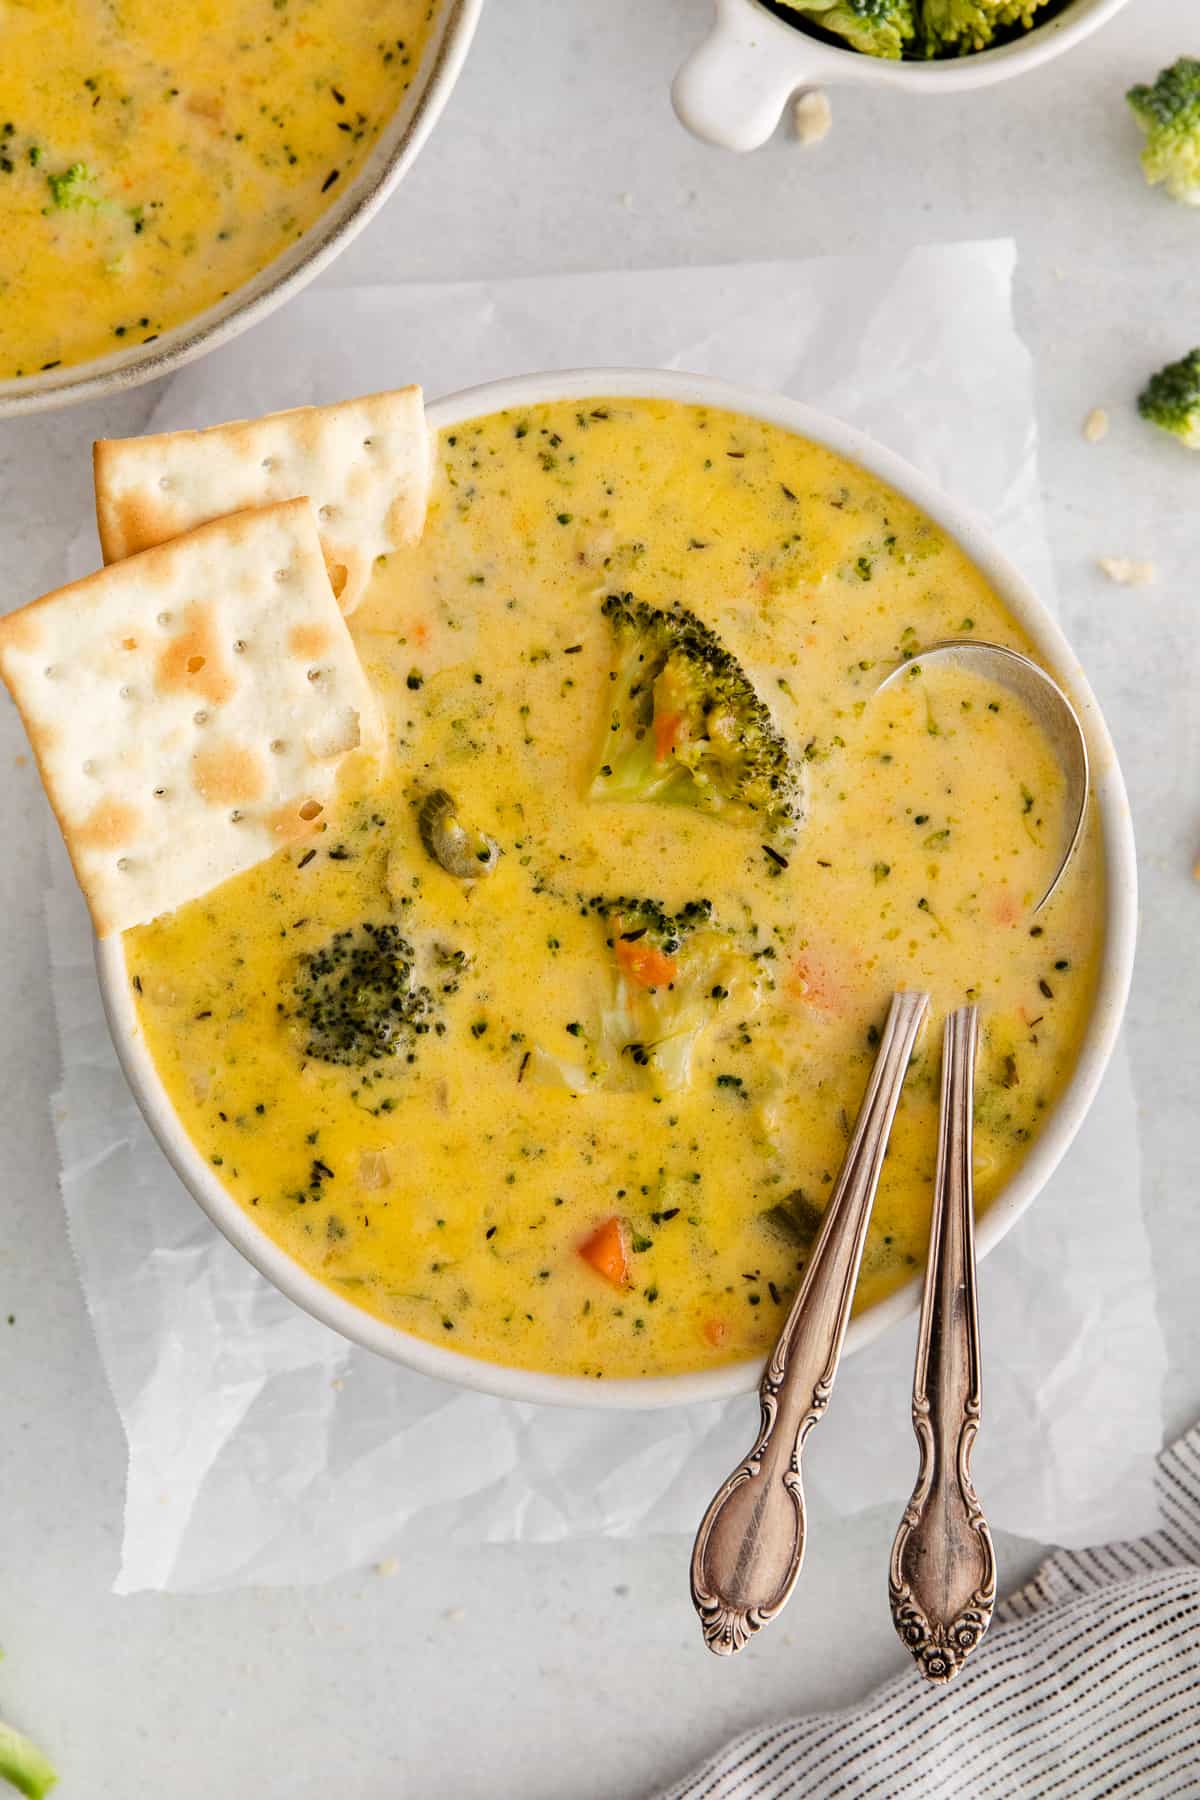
(942, 1583)
(750, 1544)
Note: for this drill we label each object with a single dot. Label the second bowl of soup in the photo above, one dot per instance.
(536, 1072)
(172, 173)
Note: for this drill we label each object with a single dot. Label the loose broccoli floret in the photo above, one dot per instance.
(1169, 114)
(669, 976)
(357, 999)
(686, 726)
(23, 1764)
(876, 27)
(1171, 399)
(70, 189)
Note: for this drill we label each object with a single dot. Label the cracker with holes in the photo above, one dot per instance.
(366, 465)
(189, 708)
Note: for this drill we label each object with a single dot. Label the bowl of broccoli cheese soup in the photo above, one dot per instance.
(169, 175)
(534, 1066)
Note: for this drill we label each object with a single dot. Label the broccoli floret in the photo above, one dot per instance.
(1171, 399)
(1018, 14)
(669, 976)
(948, 27)
(70, 189)
(953, 27)
(894, 28)
(1169, 114)
(686, 726)
(647, 922)
(357, 998)
(876, 27)
(23, 1764)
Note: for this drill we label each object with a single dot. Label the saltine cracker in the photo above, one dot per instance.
(189, 708)
(366, 465)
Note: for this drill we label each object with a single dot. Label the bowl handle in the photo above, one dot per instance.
(733, 87)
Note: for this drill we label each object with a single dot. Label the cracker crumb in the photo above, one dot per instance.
(337, 1384)
(812, 117)
(1196, 869)
(454, 1615)
(389, 1566)
(1127, 571)
(20, 759)
(1095, 426)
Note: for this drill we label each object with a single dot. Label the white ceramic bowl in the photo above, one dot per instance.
(401, 139)
(733, 87)
(1053, 649)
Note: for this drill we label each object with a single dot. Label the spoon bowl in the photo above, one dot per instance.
(1045, 700)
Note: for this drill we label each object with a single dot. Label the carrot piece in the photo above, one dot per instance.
(644, 964)
(714, 1332)
(810, 982)
(1006, 908)
(605, 1252)
(666, 734)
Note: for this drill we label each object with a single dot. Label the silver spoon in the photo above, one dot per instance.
(942, 1579)
(1045, 700)
(750, 1544)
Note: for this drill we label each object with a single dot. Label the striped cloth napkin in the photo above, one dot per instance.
(1087, 1685)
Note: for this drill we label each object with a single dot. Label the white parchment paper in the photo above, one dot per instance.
(262, 1448)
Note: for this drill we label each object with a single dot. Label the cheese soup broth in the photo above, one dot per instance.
(154, 157)
(582, 1159)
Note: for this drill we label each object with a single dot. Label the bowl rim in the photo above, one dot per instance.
(1045, 39)
(1051, 645)
(396, 149)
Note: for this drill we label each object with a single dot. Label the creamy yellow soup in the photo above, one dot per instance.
(604, 1138)
(153, 157)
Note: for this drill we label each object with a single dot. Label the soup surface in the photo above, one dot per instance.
(153, 157)
(601, 1136)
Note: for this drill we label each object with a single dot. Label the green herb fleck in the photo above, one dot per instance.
(794, 1218)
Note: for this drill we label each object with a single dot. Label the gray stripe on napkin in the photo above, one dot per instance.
(1087, 1686)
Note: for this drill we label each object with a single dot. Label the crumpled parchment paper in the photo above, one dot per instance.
(262, 1448)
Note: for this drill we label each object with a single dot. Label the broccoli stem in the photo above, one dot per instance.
(23, 1765)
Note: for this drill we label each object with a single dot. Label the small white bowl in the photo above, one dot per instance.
(1121, 924)
(402, 137)
(733, 87)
